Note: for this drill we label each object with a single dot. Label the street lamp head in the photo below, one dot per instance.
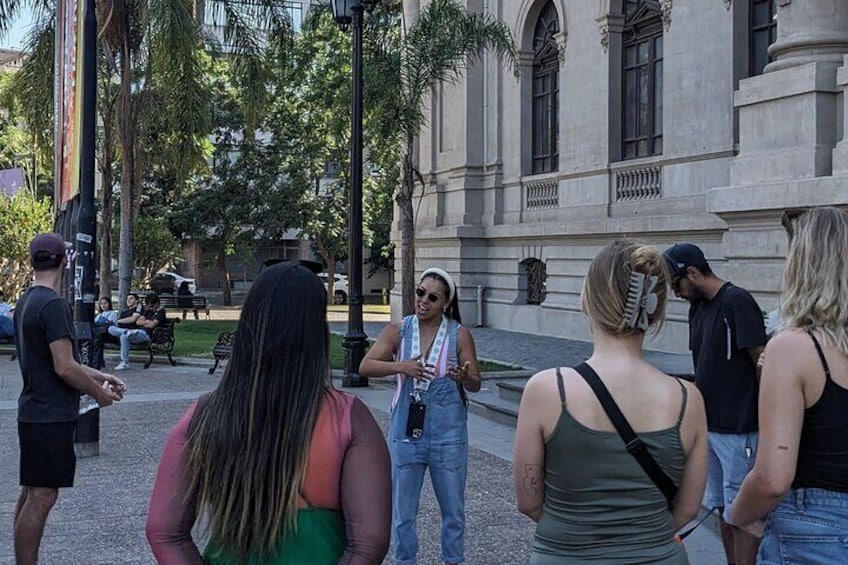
(343, 9)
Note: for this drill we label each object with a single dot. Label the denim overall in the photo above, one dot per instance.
(443, 448)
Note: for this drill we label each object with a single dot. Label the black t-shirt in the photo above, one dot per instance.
(158, 314)
(127, 314)
(721, 331)
(42, 317)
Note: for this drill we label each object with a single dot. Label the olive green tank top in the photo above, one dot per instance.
(600, 506)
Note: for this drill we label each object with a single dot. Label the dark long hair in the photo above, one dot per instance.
(452, 310)
(249, 440)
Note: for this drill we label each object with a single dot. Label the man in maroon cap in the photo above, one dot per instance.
(49, 402)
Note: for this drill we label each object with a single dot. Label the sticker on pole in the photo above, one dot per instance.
(78, 283)
(84, 237)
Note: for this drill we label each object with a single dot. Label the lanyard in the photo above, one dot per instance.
(432, 355)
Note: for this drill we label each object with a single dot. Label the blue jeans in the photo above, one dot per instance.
(7, 326)
(730, 457)
(810, 526)
(443, 448)
(128, 337)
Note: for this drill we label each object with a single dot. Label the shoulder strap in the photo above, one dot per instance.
(561, 386)
(683, 403)
(821, 354)
(407, 345)
(634, 445)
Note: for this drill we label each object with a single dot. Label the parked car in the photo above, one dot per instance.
(165, 282)
(339, 287)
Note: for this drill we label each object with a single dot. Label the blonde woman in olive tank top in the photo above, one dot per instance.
(591, 500)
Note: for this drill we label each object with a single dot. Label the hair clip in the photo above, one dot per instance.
(641, 300)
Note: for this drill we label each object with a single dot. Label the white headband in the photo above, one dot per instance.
(443, 274)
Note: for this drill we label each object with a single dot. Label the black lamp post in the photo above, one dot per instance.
(350, 12)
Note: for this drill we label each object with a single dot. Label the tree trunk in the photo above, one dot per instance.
(107, 173)
(127, 138)
(407, 230)
(331, 279)
(227, 296)
(106, 231)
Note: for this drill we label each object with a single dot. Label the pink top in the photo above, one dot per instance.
(347, 470)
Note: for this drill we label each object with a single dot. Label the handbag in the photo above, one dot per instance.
(632, 442)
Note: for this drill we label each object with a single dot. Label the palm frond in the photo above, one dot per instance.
(445, 39)
(34, 82)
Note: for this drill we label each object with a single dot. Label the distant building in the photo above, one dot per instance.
(11, 60)
(660, 120)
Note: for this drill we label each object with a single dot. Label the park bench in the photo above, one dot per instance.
(9, 341)
(161, 342)
(194, 302)
(223, 349)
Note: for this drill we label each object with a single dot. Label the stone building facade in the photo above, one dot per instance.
(660, 120)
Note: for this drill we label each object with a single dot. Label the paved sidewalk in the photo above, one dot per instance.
(535, 352)
(101, 521)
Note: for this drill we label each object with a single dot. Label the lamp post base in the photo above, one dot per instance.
(354, 380)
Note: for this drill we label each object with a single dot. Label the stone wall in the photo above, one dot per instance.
(736, 154)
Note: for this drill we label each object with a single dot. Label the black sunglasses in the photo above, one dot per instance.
(432, 297)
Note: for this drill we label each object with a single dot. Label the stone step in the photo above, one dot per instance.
(494, 408)
(511, 389)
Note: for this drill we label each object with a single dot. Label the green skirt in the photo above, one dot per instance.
(320, 540)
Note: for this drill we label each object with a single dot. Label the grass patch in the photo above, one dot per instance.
(196, 338)
(366, 308)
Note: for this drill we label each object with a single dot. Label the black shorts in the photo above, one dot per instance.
(47, 454)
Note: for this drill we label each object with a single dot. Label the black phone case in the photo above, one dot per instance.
(415, 420)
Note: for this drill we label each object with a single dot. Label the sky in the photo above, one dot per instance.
(16, 37)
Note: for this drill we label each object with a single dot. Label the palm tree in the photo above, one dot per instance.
(404, 66)
(154, 51)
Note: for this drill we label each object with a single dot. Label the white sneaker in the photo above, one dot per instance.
(122, 366)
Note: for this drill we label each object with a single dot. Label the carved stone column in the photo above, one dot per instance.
(810, 31)
(840, 154)
(788, 116)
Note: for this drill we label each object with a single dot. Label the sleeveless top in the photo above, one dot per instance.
(823, 450)
(600, 506)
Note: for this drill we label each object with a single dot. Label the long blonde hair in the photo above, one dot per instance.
(815, 279)
(608, 281)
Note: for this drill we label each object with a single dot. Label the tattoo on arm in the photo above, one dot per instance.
(533, 479)
(783, 447)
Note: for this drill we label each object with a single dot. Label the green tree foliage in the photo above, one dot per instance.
(20, 144)
(21, 219)
(404, 67)
(155, 247)
(247, 197)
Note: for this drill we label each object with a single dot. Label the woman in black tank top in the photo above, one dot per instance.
(800, 479)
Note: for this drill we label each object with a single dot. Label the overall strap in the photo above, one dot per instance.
(453, 356)
(634, 445)
(561, 387)
(821, 354)
(406, 344)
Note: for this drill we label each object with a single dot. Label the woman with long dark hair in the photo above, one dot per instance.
(800, 478)
(434, 359)
(282, 468)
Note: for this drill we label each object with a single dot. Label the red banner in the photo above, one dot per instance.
(68, 99)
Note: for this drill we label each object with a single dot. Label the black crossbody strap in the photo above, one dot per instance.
(634, 445)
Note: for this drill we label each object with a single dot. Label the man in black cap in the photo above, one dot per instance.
(49, 402)
(726, 336)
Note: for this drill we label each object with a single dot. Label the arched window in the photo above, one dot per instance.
(763, 31)
(534, 276)
(642, 79)
(546, 92)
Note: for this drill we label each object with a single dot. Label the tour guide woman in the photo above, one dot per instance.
(285, 469)
(435, 362)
